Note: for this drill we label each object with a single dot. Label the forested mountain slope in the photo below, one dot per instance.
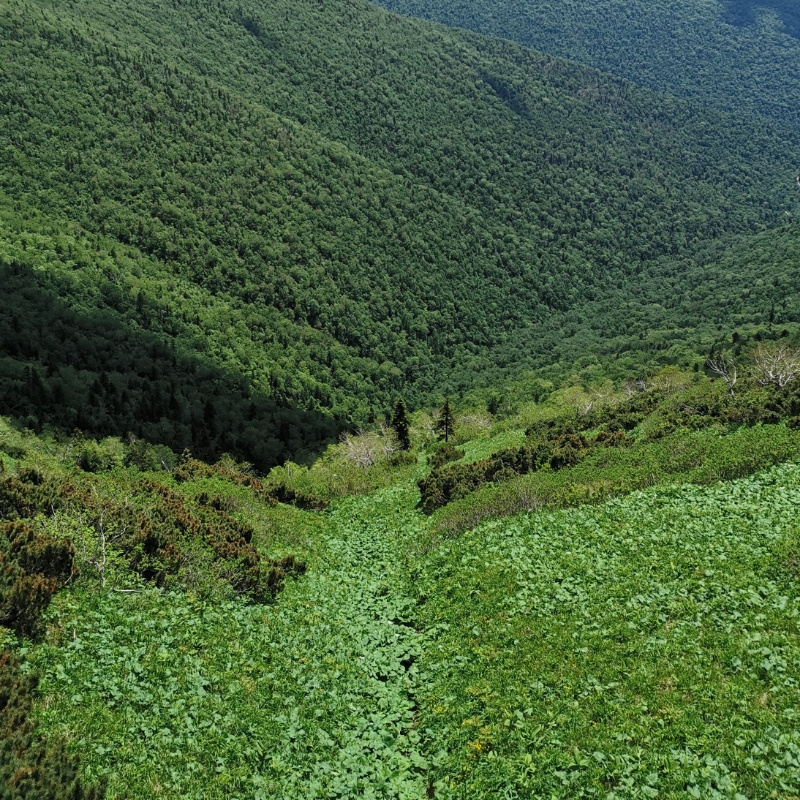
(737, 55)
(675, 312)
(222, 224)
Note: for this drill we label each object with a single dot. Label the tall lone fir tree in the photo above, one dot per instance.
(400, 424)
(445, 423)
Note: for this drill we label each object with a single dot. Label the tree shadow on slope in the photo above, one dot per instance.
(89, 369)
(743, 12)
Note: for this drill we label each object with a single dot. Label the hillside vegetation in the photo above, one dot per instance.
(728, 294)
(282, 216)
(736, 55)
(194, 638)
(233, 236)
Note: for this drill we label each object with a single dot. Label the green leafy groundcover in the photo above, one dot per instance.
(644, 648)
(169, 695)
(647, 647)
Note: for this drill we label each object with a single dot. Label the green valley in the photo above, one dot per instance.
(303, 244)
(390, 411)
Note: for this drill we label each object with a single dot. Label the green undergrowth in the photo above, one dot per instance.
(338, 473)
(585, 444)
(702, 457)
(80, 517)
(647, 647)
(641, 642)
(644, 647)
(170, 695)
(333, 477)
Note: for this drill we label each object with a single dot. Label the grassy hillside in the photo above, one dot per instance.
(644, 645)
(737, 55)
(287, 214)
(646, 648)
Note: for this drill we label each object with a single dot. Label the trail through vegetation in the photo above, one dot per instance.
(368, 620)
(313, 697)
(645, 647)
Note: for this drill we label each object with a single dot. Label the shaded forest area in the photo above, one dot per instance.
(93, 372)
(737, 55)
(743, 12)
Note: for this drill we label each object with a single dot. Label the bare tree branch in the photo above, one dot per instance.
(726, 369)
(778, 365)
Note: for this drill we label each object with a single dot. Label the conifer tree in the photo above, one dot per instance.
(400, 424)
(445, 423)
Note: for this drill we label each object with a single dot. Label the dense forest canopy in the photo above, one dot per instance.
(239, 227)
(738, 55)
(725, 295)
(745, 12)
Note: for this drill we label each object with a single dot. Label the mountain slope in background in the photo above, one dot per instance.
(726, 296)
(225, 225)
(737, 55)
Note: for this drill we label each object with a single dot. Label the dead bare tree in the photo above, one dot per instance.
(726, 369)
(388, 442)
(365, 448)
(101, 546)
(360, 449)
(629, 388)
(778, 365)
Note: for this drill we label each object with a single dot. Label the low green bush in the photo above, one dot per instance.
(444, 454)
(701, 457)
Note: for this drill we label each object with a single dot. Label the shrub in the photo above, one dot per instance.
(33, 566)
(445, 453)
(284, 493)
(28, 493)
(101, 456)
(149, 457)
(403, 458)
